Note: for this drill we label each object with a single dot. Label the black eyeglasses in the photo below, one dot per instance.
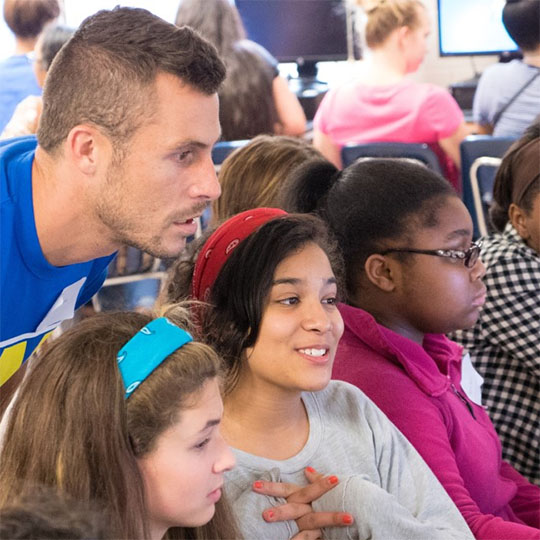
(469, 256)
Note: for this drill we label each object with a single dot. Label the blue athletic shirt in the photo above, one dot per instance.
(18, 82)
(35, 296)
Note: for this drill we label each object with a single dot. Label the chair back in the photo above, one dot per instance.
(223, 148)
(472, 148)
(417, 151)
(133, 281)
(483, 172)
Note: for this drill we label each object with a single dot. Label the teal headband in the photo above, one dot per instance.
(145, 351)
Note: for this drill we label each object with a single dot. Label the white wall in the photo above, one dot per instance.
(76, 10)
(435, 69)
(450, 69)
(7, 43)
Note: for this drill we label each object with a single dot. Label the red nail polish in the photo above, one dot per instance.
(269, 514)
(310, 469)
(333, 479)
(257, 485)
(347, 519)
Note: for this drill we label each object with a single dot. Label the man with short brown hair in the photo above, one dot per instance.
(123, 157)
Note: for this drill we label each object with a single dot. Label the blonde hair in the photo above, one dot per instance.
(251, 177)
(384, 16)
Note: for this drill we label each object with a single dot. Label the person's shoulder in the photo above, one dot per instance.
(259, 50)
(438, 107)
(433, 92)
(345, 93)
(17, 72)
(13, 151)
(4, 64)
(495, 69)
(17, 146)
(252, 46)
(502, 73)
(339, 389)
(506, 246)
(14, 61)
(510, 262)
(516, 66)
(342, 398)
(428, 98)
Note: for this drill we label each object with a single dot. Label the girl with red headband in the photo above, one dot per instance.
(271, 281)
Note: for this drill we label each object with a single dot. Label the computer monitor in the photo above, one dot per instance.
(471, 27)
(301, 31)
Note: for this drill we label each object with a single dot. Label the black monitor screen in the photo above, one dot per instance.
(472, 27)
(297, 30)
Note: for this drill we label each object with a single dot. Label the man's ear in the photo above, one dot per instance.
(380, 271)
(85, 145)
(518, 218)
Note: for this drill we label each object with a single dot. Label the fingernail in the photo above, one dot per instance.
(347, 519)
(310, 469)
(257, 485)
(333, 479)
(269, 514)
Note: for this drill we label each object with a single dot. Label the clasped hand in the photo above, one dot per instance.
(298, 506)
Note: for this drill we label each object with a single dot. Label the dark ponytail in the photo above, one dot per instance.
(368, 203)
(306, 190)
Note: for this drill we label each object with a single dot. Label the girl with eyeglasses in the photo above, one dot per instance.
(127, 420)
(412, 274)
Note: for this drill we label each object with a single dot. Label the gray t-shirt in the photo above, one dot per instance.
(495, 89)
(383, 482)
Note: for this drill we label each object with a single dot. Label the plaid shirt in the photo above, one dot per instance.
(505, 347)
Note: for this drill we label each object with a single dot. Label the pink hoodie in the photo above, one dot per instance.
(419, 389)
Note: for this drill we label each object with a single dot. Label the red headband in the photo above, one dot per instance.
(221, 244)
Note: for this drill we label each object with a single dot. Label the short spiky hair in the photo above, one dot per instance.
(105, 72)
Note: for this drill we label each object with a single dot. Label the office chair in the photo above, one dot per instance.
(483, 171)
(223, 148)
(417, 151)
(472, 148)
(134, 281)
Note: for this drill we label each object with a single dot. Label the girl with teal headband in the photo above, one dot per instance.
(128, 418)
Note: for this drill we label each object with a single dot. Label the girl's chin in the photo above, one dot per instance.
(316, 386)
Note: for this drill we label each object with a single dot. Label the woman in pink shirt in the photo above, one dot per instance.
(412, 274)
(381, 104)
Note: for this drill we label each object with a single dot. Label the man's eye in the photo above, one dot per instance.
(182, 156)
